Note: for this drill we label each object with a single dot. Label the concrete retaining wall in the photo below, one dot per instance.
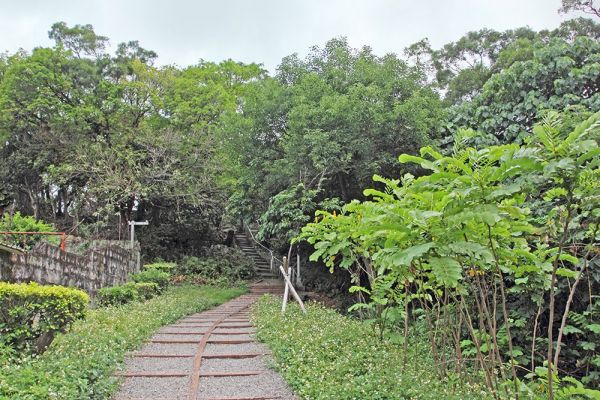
(107, 265)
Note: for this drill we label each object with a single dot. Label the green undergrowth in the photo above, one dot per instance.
(324, 355)
(80, 363)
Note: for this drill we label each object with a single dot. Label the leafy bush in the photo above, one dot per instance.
(147, 290)
(191, 265)
(153, 275)
(232, 258)
(483, 247)
(117, 295)
(31, 314)
(19, 223)
(80, 364)
(162, 266)
(324, 355)
(145, 286)
(222, 263)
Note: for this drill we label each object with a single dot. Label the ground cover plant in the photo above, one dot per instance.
(79, 364)
(326, 356)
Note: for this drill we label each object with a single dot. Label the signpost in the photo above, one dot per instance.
(132, 236)
(133, 224)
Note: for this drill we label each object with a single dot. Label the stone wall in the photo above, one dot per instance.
(107, 265)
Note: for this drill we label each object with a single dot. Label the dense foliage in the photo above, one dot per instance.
(32, 314)
(324, 355)
(560, 75)
(489, 237)
(327, 123)
(79, 365)
(486, 241)
(220, 265)
(126, 293)
(22, 223)
(92, 140)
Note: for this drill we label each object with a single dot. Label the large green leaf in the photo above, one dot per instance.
(446, 270)
(406, 256)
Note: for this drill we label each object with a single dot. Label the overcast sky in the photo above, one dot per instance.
(264, 31)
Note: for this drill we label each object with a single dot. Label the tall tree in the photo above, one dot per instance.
(560, 76)
(329, 122)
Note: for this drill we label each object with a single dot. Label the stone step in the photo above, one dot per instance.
(269, 277)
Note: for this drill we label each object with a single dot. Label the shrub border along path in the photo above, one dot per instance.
(80, 363)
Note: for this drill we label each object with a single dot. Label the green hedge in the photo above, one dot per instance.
(163, 266)
(153, 276)
(80, 364)
(326, 356)
(147, 290)
(126, 293)
(117, 295)
(32, 314)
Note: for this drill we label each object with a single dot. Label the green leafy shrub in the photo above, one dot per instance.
(233, 261)
(153, 275)
(20, 223)
(487, 233)
(191, 265)
(147, 290)
(326, 356)
(32, 314)
(222, 263)
(80, 364)
(162, 266)
(117, 295)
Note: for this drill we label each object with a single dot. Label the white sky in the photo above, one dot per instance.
(264, 31)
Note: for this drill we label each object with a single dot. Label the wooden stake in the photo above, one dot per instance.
(286, 292)
(291, 289)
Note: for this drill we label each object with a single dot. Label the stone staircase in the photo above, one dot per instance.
(263, 269)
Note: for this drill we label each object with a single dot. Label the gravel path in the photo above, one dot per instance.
(191, 359)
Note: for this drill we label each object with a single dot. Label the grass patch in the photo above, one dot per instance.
(324, 355)
(80, 363)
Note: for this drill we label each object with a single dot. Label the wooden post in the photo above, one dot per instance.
(286, 295)
(286, 291)
(298, 280)
(291, 289)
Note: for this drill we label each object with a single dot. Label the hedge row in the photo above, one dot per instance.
(145, 285)
(32, 314)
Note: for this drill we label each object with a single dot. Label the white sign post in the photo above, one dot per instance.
(133, 224)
